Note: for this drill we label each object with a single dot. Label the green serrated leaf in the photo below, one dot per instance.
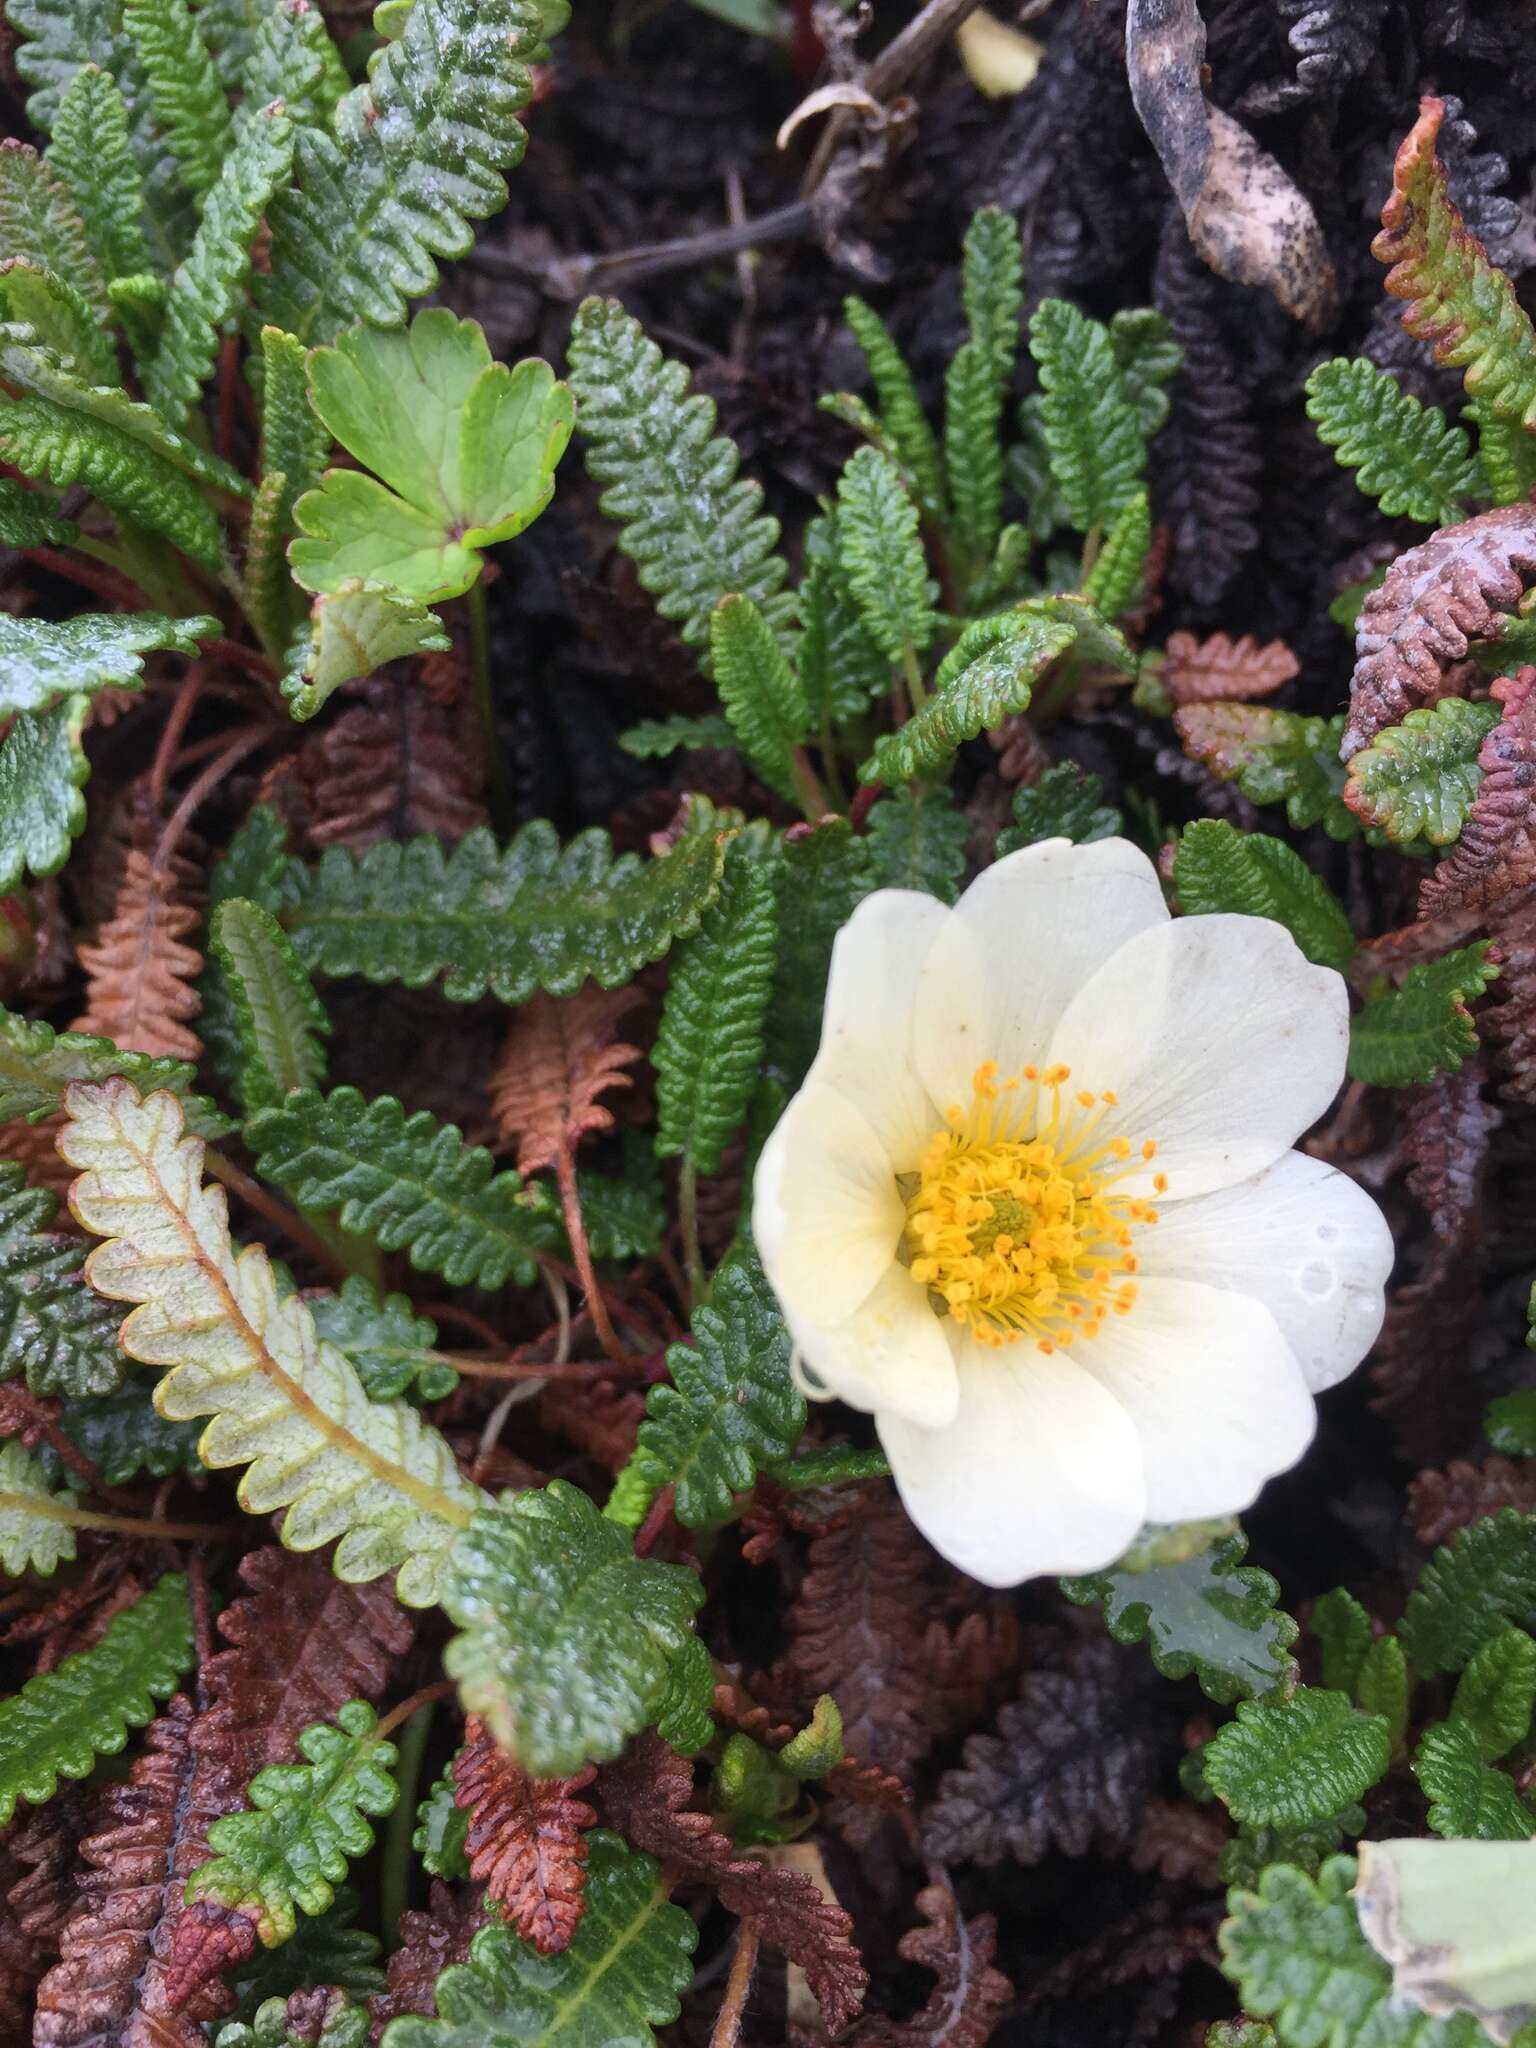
(42, 772)
(842, 670)
(208, 286)
(568, 1637)
(534, 915)
(329, 1952)
(411, 159)
(1343, 1631)
(463, 451)
(1066, 803)
(819, 878)
(1148, 358)
(407, 1182)
(41, 661)
(881, 557)
(1510, 1422)
(1407, 1035)
(1274, 757)
(30, 519)
(1496, 1693)
(760, 691)
(54, 1331)
(1417, 780)
(623, 1974)
(1093, 436)
(1287, 1763)
(38, 1063)
(306, 1822)
(1405, 453)
(63, 1720)
(709, 1046)
(123, 1433)
(90, 151)
(189, 102)
(1209, 1615)
(40, 224)
(917, 840)
(695, 530)
(1251, 1851)
(1382, 1687)
(294, 446)
(654, 738)
(1116, 575)
(393, 1348)
(352, 632)
(442, 1826)
(1003, 660)
(288, 55)
(731, 1411)
(1217, 868)
(278, 1016)
(901, 425)
(1469, 1800)
(1294, 1949)
(1469, 1590)
(56, 317)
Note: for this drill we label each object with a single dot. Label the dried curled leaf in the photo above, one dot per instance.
(290, 1406)
(1441, 1503)
(970, 1996)
(1462, 305)
(429, 1943)
(559, 1057)
(646, 1793)
(1436, 599)
(1496, 853)
(1198, 671)
(1447, 1128)
(526, 1839)
(140, 972)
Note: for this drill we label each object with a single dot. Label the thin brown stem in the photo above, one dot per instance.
(171, 733)
(278, 1214)
(238, 655)
(657, 1518)
(727, 2031)
(428, 1696)
(243, 743)
(90, 576)
(576, 1231)
(892, 68)
(145, 1527)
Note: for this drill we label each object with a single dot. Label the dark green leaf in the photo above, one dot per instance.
(1218, 868)
(1290, 1762)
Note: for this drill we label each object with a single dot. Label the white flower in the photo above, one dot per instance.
(1035, 1207)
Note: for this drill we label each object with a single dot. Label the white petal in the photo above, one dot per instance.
(866, 1029)
(1023, 939)
(1215, 1394)
(891, 1355)
(826, 1211)
(1221, 1039)
(1302, 1238)
(1039, 1472)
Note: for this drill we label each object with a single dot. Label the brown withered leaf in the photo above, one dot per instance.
(26, 1415)
(1510, 1022)
(1446, 1128)
(526, 1839)
(1496, 853)
(429, 1942)
(1199, 671)
(1425, 1386)
(110, 1987)
(1437, 598)
(302, 1644)
(1154, 1942)
(139, 974)
(598, 1417)
(32, 1147)
(1180, 1840)
(45, 1845)
(1442, 1502)
(397, 764)
(970, 1996)
(645, 1796)
(559, 1056)
(1071, 1767)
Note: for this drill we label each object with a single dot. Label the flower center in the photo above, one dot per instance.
(1013, 1222)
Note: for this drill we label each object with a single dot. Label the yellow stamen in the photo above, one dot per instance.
(1014, 1228)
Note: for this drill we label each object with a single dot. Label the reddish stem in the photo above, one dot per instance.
(863, 803)
(657, 1518)
(90, 576)
(576, 1231)
(175, 725)
(242, 744)
(278, 1214)
(727, 2028)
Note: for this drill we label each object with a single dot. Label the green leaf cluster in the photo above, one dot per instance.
(54, 1331)
(1289, 1763)
(1409, 1034)
(1417, 780)
(1404, 453)
(1218, 868)
(1066, 803)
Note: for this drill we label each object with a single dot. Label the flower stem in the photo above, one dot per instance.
(480, 665)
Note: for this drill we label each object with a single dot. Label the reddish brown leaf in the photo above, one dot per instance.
(1496, 853)
(526, 1838)
(1425, 1386)
(1436, 599)
(599, 1418)
(140, 971)
(26, 1415)
(32, 1147)
(1201, 671)
(109, 1988)
(302, 1645)
(559, 1056)
(1180, 1840)
(429, 1942)
(45, 1845)
(1441, 1503)
(1510, 1023)
(1447, 1126)
(645, 1796)
(970, 1996)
